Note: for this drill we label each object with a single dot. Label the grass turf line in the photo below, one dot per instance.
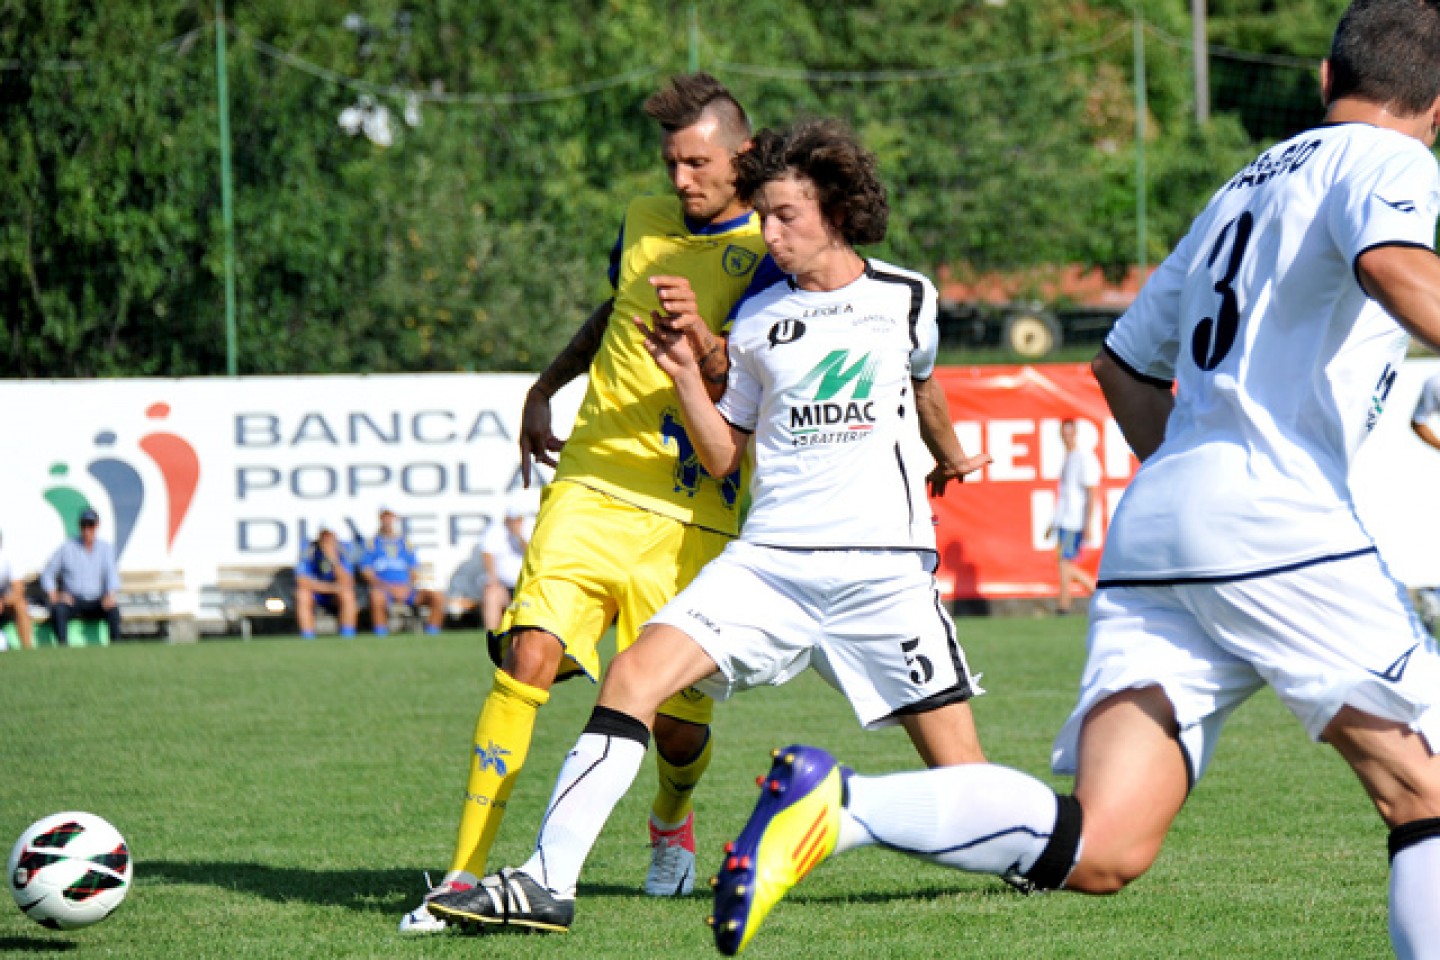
(281, 800)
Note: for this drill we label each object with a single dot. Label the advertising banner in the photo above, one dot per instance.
(994, 530)
(191, 474)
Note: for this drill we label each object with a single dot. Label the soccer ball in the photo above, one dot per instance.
(69, 870)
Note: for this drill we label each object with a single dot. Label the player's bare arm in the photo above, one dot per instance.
(1140, 408)
(938, 432)
(538, 442)
(1424, 432)
(719, 445)
(1406, 282)
(680, 313)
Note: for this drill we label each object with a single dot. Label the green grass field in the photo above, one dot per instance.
(282, 798)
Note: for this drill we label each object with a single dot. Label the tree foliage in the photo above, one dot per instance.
(477, 240)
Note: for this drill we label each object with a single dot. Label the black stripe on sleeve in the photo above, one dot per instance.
(1142, 377)
(917, 296)
(1355, 264)
(737, 426)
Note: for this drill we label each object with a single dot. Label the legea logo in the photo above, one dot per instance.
(179, 468)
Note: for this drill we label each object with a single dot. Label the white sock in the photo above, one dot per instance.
(977, 817)
(1415, 901)
(595, 776)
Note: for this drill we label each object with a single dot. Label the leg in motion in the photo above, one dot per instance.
(945, 736)
(1402, 776)
(977, 817)
(596, 774)
(501, 743)
(682, 755)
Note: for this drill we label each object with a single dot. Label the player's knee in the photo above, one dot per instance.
(631, 684)
(679, 741)
(624, 678)
(1110, 869)
(533, 658)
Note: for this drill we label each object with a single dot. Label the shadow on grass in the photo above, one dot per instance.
(393, 890)
(365, 890)
(35, 945)
(1000, 892)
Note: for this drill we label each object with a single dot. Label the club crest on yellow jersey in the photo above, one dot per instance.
(738, 261)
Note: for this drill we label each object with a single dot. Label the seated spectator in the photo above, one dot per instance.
(325, 578)
(467, 584)
(81, 581)
(390, 571)
(13, 606)
(503, 553)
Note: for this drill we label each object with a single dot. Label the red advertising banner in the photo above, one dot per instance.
(994, 529)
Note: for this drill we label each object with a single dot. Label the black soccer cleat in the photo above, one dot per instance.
(506, 899)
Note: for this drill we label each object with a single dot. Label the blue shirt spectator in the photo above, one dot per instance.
(81, 581)
(85, 570)
(315, 564)
(390, 569)
(390, 558)
(325, 578)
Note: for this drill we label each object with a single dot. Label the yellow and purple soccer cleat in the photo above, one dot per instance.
(794, 826)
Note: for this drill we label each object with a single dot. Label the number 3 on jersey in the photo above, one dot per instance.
(1214, 336)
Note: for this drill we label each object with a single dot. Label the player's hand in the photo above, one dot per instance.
(670, 349)
(537, 443)
(943, 473)
(680, 312)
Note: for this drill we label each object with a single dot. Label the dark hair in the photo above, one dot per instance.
(826, 153)
(1388, 52)
(688, 96)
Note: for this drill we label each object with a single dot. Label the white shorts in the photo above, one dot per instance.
(1332, 634)
(870, 622)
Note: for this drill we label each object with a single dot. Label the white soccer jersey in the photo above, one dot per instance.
(1282, 362)
(1429, 403)
(823, 380)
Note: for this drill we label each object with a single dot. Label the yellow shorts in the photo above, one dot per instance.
(594, 560)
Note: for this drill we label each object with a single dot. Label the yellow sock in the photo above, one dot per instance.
(502, 739)
(673, 800)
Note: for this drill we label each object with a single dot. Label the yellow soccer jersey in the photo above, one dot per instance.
(629, 439)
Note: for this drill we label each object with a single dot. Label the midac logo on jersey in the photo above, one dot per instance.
(826, 420)
(173, 456)
(738, 261)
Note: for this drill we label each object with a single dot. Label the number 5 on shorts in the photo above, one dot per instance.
(921, 670)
